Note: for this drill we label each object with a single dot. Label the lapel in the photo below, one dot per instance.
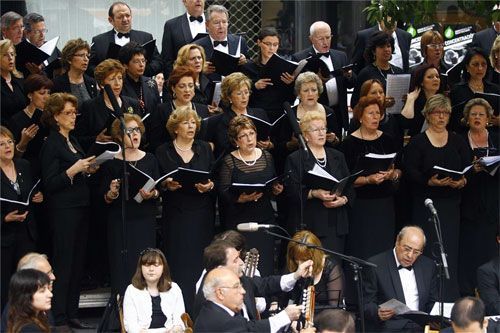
(185, 30)
(110, 36)
(232, 43)
(249, 298)
(396, 280)
(419, 278)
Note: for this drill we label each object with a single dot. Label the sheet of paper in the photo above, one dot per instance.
(397, 87)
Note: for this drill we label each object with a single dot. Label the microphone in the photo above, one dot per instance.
(429, 204)
(295, 125)
(252, 226)
(114, 102)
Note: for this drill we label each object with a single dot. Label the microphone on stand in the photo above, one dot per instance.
(253, 226)
(295, 125)
(429, 204)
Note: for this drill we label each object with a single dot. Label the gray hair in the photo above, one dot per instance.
(436, 101)
(477, 101)
(31, 260)
(406, 229)
(217, 9)
(210, 286)
(307, 77)
(316, 25)
(31, 19)
(9, 18)
(494, 49)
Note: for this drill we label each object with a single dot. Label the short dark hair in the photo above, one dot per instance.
(151, 256)
(233, 237)
(36, 82)
(471, 52)
(359, 109)
(110, 10)
(377, 39)
(418, 76)
(54, 106)
(467, 310)
(334, 320)
(177, 74)
(214, 255)
(238, 124)
(31, 19)
(129, 50)
(72, 46)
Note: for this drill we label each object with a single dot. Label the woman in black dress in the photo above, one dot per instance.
(18, 228)
(479, 208)
(323, 213)
(140, 217)
(249, 165)
(438, 147)
(378, 53)
(13, 97)
(186, 209)
(64, 170)
(328, 277)
(372, 215)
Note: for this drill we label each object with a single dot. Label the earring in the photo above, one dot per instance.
(174, 95)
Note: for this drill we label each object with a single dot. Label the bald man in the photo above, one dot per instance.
(222, 311)
(402, 273)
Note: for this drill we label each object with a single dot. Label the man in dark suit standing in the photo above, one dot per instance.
(334, 88)
(400, 56)
(485, 38)
(180, 31)
(488, 284)
(403, 274)
(222, 310)
(218, 38)
(120, 17)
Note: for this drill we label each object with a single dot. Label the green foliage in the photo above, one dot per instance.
(412, 12)
(481, 8)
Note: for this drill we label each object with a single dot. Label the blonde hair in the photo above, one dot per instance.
(309, 117)
(494, 49)
(296, 251)
(179, 115)
(5, 45)
(308, 77)
(183, 55)
(232, 82)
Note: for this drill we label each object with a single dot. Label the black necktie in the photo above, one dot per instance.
(408, 268)
(120, 35)
(223, 43)
(196, 18)
(326, 54)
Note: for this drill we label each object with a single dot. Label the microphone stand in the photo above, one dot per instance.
(442, 265)
(356, 264)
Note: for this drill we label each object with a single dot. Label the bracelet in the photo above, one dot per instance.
(20, 150)
(156, 194)
(112, 197)
(396, 178)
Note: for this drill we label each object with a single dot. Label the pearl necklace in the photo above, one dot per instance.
(248, 163)
(182, 149)
(321, 161)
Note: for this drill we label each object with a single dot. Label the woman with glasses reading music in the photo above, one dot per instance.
(153, 302)
(438, 147)
(193, 204)
(18, 227)
(75, 60)
(64, 176)
(140, 216)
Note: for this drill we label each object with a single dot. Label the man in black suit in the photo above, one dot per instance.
(180, 31)
(218, 38)
(485, 38)
(222, 310)
(467, 316)
(400, 56)
(403, 274)
(334, 88)
(488, 284)
(120, 17)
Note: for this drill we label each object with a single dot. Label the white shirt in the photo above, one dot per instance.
(409, 284)
(121, 41)
(397, 56)
(197, 27)
(331, 85)
(221, 47)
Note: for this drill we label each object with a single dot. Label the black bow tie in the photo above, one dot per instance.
(126, 35)
(223, 43)
(408, 268)
(326, 54)
(196, 18)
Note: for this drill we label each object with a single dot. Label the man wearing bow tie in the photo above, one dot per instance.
(218, 38)
(402, 273)
(181, 30)
(120, 17)
(334, 87)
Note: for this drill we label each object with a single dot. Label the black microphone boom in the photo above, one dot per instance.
(116, 107)
(295, 125)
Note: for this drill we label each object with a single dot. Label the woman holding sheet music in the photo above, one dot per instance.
(436, 147)
(18, 227)
(140, 216)
(249, 165)
(64, 176)
(372, 215)
(322, 212)
(188, 208)
(479, 209)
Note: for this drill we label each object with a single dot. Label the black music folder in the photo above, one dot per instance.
(248, 188)
(372, 163)
(27, 52)
(114, 49)
(103, 151)
(454, 174)
(138, 180)
(263, 127)
(224, 63)
(20, 206)
(320, 178)
(276, 66)
(189, 177)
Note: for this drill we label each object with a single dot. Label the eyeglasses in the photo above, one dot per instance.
(249, 135)
(69, 113)
(235, 287)
(6, 143)
(40, 31)
(82, 55)
(131, 130)
(435, 46)
(410, 250)
(269, 44)
(318, 130)
(440, 113)
(139, 61)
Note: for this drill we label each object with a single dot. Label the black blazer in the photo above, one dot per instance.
(488, 284)
(383, 283)
(213, 318)
(484, 39)
(26, 182)
(61, 84)
(56, 158)
(151, 97)
(339, 59)
(12, 101)
(100, 44)
(361, 41)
